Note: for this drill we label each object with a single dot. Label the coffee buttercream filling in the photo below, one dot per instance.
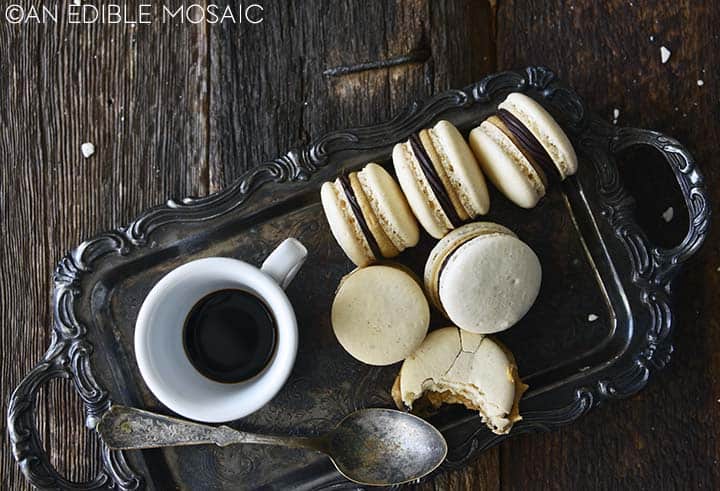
(433, 179)
(358, 214)
(529, 145)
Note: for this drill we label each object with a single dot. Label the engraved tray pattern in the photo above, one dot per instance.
(584, 233)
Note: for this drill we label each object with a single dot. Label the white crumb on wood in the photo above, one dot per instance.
(592, 317)
(652, 38)
(616, 115)
(700, 83)
(664, 54)
(668, 214)
(87, 149)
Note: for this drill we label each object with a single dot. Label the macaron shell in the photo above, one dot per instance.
(506, 166)
(344, 226)
(380, 315)
(420, 197)
(462, 169)
(547, 131)
(450, 243)
(389, 206)
(489, 283)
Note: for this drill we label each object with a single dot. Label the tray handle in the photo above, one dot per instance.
(27, 445)
(692, 186)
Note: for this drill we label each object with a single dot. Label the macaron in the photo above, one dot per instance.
(441, 179)
(453, 366)
(380, 314)
(368, 215)
(482, 277)
(523, 150)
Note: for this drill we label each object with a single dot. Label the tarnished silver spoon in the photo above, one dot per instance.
(376, 447)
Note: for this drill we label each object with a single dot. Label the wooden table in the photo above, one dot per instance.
(177, 110)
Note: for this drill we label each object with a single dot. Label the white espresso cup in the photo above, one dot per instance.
(159, 348)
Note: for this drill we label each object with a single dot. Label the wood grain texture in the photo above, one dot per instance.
(177, 111)
(133, 92)
(665, 437)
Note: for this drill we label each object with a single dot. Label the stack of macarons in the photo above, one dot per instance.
(521, 149)
(453, 366)
(480, 275)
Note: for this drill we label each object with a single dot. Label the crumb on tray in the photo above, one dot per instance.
(664, 54)
(87, 149)
(668, 214)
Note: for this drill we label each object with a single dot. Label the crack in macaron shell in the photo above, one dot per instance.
(444, 372)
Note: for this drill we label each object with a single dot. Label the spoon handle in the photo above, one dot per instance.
(125, 428)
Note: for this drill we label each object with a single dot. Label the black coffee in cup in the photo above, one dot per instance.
(229, 336)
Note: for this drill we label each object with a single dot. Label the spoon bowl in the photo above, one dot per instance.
(380, 446)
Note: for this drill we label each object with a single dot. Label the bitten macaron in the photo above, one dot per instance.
(523, 150)
(453, 366)
(441, 179)
(380, 314)
(482, 277)
(368, 215)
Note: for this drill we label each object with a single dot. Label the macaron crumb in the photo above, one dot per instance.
(700, 82)
(668, 214)
(616, 115)
(592, 317)
(87, 149)
(664, 54)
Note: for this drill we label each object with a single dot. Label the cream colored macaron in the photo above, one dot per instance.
(368, 215)
(482, 277)
(453, 366)
(441, 178)
(380, 314)
(523, 150)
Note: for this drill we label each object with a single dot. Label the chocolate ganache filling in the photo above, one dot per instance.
(531, 147)
(357, 211)
(436, 184)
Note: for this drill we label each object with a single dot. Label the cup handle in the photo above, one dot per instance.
(285, 261)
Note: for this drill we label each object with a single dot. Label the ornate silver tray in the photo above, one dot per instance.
(597, 261)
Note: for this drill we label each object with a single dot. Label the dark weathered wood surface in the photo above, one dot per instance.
(183, 110)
